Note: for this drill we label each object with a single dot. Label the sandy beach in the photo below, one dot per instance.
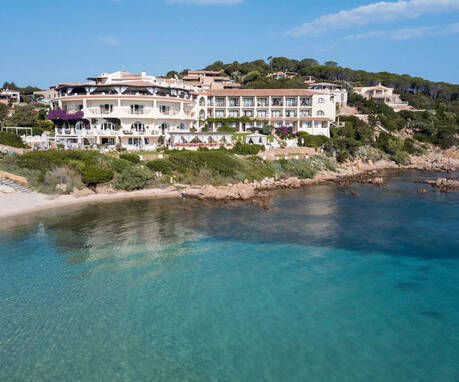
(12, 205)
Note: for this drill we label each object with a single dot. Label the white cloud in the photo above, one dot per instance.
(409, 33)
(383, 11)
(206, 2)
(113, 41)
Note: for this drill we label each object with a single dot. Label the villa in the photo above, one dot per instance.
(10, 97)
(140, 112)
(380, 93)
(209, 79)
(282, 75)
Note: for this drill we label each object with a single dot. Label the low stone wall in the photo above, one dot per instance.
(274, 154)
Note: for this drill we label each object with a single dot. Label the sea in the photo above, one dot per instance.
(327, 285)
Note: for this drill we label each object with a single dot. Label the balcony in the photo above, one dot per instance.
(221, 104)
(234, 104)
(291, 104)
(136, 112)
(277, 103)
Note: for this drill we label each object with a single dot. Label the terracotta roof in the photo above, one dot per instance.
(262, 92)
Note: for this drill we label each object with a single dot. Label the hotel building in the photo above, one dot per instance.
(138, 111)
(132, 110)
(209, 79)
(301, 109)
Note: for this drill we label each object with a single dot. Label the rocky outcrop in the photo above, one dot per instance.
(6, 189)
(444, 184)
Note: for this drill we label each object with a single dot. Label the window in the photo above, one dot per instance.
(320, 112)
(138, 126)
(79, 125)
(220, 101)
(234, 113)
(106, 109)
(291, 102)
(107, 126)
(277, 102)
(305, 113)
(262, 113)
(262, 102)
(182, 126)
(219, 113)
(234, 102)
(307, 124)
(164, 109)
(202, 101)
(290, 113)
(318, 124)
(136, 109)
(276, 113)
(248, 102)
(147, 141)
(321, 100)
(248, 113)
(305, 101)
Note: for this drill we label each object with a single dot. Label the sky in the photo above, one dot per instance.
(50, 41)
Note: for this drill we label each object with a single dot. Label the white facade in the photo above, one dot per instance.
(138, 112)
(338, 91)
(301, 109)
(125, 109)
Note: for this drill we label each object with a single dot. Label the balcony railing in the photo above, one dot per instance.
(234, 104)
(220, 104)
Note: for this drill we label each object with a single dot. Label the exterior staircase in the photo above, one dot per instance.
(15, 186)
(279, 140)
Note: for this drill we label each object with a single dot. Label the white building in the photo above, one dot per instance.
(380, 93)
(338, 91)
(302, 109)
(10, 97)
(121, 108)
(138, 111)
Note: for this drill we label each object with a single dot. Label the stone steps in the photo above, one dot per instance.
(15, 186)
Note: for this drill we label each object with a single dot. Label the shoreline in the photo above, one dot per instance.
(20, 204)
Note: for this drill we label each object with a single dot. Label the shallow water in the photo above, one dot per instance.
(327, 287)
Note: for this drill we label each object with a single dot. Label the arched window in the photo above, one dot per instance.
(202, 101)
(182, 126)
(202, 114)
(321, 100)
(320, 112)
(138, 126)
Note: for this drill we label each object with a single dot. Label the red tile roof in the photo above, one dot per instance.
(262, 92)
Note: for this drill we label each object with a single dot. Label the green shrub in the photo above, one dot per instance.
(243, 149)
(161, 165)
(11, 139)
(399, 157)
(133, 158)
(61, 175)
(308, 140)
(134, 178)
(93, 175)
(342, 156)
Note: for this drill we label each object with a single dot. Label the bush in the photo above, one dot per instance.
(217, 161)
(135, 178)
(11, 139)
(93, 175)
(308, 140)
(133, 158)
(161, 165)
(243, 149)
(61, 175)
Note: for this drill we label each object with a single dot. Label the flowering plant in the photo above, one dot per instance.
(285, 132)
(62, 115)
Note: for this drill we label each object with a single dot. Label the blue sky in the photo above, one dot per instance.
(55, 41)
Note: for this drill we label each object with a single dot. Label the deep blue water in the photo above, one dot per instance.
(326, 287)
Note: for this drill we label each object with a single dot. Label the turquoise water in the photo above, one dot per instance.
(326, 287)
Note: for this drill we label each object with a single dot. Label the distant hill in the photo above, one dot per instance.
(419, 92)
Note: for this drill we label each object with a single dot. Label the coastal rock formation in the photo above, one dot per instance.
(6, 189)
(444, 184)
